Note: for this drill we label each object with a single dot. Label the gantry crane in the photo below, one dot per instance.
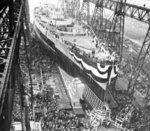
(112, 35)
(121, 9)
(11, 25)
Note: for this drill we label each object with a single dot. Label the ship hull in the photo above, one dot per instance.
(93, 94)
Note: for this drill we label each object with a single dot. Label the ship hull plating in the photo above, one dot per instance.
(93, 94)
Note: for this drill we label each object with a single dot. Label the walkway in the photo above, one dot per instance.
(56, 83)
(67, 80)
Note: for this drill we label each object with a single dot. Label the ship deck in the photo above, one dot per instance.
(83, 42)
(64, 49)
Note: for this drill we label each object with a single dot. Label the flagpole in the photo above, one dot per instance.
(104, 100)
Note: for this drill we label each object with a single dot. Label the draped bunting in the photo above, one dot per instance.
(100, 73)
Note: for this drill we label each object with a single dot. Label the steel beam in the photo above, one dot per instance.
(85, 12)
(97, 22)
(137, 12)
(116, 32)
(3, 14)
(144, 52)
(11, 18)
(3, 3)
(8, 53)
(75, 8)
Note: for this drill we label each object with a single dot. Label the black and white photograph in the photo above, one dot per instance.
(74, 65)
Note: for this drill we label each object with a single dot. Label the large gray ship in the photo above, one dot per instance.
(75, 47)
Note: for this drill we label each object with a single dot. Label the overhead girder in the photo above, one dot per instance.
(137, 12)
(9, 46)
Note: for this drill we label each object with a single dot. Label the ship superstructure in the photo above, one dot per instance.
(76, 44)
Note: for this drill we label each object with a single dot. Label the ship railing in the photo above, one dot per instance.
(92, 32)
(69, 33)
(44, 31)
(93, 58)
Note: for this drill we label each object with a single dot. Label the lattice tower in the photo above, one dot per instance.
(61, 4)
(85, 11)
(97, 22)
(75, 8)
(116, 31)
(138, 69)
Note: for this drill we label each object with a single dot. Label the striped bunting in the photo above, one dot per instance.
(99, 73)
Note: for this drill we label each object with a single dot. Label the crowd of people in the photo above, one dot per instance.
(140, 120)
(99, 54)
(124, 101)
(59, 119)
(55, 118)
(139, 116)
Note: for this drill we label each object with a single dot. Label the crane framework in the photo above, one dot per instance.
(11, 27)
(11, 32)
(71, 6)
(113, 34)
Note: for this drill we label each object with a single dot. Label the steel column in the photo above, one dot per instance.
(22, 93)
(144, 52)
(85, 11)
(97, 21)
(11, 87)
(75, 8)
(9, 42)
(11, 18)
(116, 33)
